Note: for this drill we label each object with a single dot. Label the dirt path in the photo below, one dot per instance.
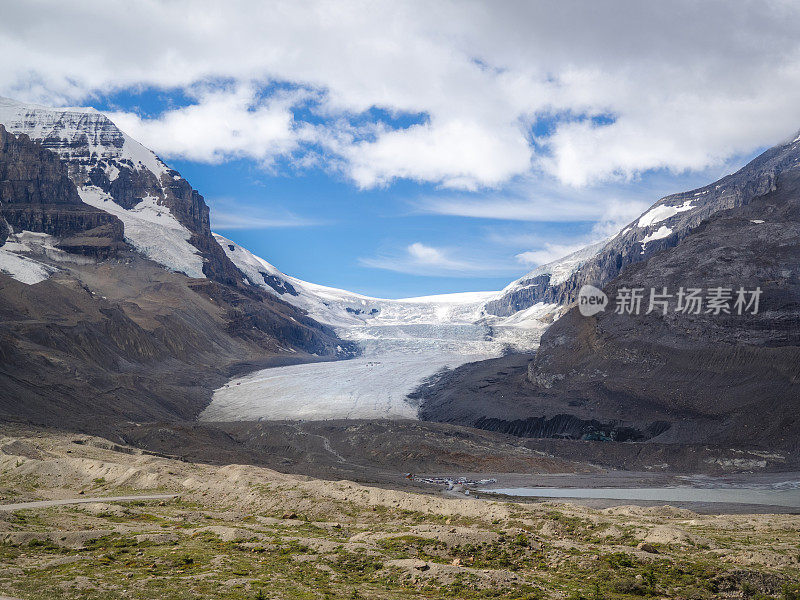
(49, 503)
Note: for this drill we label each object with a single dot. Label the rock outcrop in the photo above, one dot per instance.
(674, 377)
(714, 377)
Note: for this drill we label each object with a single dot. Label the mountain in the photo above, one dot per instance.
(353, 313)
(124, 211)
(674, 377)
(345, 309)
(164, 218)
(662, 226)
(116, 302)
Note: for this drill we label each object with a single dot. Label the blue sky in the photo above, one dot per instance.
(400, 149)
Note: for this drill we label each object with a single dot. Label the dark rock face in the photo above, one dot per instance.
(117, 341)
(567, 427)
(754, 179)
(30, 174)
(279, 285)
(727, 380)
(724, 378)
(37, 195)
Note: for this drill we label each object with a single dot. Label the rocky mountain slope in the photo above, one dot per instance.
(669, 375)
(726, 378)
(99, 321)
(37, 195)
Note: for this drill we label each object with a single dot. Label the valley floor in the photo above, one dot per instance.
(246, 532)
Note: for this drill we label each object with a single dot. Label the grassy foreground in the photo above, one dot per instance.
(243, 532)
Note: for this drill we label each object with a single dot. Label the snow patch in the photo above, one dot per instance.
(152, 230)
(659, 234)
(142, 157)
(24, 268)
(112, 172)
(530, 318)
(559, 270)
(660, 213)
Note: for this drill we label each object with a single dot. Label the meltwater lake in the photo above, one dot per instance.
(785, 495)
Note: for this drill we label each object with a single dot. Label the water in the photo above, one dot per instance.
(778, 495)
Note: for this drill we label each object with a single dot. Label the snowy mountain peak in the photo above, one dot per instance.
(164, 218)
(342, 308)
(79, 134)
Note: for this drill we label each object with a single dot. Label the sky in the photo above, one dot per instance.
(409, 148)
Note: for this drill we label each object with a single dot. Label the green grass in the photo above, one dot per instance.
(281, 560)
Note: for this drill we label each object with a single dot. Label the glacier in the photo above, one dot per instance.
(403, 342)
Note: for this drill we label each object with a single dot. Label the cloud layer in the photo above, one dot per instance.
(582, 92)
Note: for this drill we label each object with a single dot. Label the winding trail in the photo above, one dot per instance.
(49, 503)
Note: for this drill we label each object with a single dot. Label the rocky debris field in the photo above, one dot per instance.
(250, 532)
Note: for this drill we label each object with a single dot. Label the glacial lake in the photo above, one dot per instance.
(784, 495)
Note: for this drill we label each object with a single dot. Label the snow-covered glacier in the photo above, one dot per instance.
(403, 342)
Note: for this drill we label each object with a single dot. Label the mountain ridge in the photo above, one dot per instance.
(714, 377)
(661, 226)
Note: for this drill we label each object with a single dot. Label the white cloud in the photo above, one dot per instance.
(428, 255)
(222, 220)
(230, 213)
(542, 199)
(548, 253)
(223, 124)
(421, 259)
(455, 153)
(689, 84)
